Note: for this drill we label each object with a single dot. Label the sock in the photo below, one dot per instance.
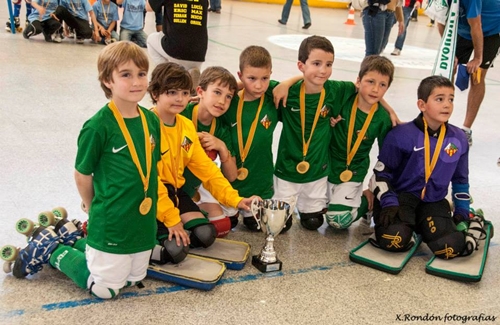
(17, 9)
(465, 128)
(71, 262)
(80, 244)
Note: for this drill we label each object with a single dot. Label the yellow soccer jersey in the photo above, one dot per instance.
(181, 148)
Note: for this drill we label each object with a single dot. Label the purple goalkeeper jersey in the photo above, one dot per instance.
(403, 157)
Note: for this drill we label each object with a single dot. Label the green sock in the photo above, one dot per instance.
(363, 208)
(71, 262)
(81, 244)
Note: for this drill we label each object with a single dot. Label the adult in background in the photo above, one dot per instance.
(184, 36)
(478, 31)
(410, 6)
(306, 15)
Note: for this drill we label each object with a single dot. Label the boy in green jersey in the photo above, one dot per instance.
(116, 176)
(361, 121)
(302, 165)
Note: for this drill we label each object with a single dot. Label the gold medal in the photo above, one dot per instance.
(346, 175)
(196, 197)
(145, 206)
(302, 167)
(242, 174)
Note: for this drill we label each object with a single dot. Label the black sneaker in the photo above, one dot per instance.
(251, 223)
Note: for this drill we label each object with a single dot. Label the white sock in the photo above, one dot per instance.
(465, 128)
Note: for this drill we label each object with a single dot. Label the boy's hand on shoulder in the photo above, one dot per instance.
(280, 93)
(179, 233)
(247, 202)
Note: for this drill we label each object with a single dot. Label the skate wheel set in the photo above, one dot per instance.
(30, 229)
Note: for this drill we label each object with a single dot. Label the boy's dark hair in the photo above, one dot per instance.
(428, 84)
(219, 75)
(256, 57)
(168, 76)
(312, 43)
(116, 54)
(377, 63)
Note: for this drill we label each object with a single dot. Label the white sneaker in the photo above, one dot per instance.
(396, 52)
(56, 37)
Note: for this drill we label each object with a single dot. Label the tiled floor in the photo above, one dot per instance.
(48, 90)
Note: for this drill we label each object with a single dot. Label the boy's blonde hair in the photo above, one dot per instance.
(116, 54)
(218, 75)
(314, 42)
(168, 76)
(428, 84)
(379, 64)
(256, 57)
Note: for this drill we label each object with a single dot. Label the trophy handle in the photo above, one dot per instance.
(254, 207)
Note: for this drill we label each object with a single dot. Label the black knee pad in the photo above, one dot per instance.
(288, 225)
(450, 245)
(203, 235)
(169, 252)
(234, 220)
(311, 221)
(395, 238)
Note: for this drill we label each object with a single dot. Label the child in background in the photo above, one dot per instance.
(75, 14)
(132, 23)
(17, 13)
(41, 21)
(106, 13)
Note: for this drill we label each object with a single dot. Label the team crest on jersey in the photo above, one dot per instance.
(451, 149)
(364, 138)
(266, 122)
(153, 142)
(324, 111)
(186, 144)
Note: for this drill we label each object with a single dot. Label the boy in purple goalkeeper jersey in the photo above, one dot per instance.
(417, 163)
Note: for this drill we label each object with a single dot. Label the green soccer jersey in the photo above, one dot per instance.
(290, 145)
(221, 132)
(115, 224)
(259, 160)
(378, 128)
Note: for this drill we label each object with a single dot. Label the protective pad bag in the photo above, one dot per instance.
(377, 258)
(466, 269)
(230, 252)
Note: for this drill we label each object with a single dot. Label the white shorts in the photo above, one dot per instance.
(207, 197)
(348, 194)
(114, 270)
(311, 197)
(158, 54)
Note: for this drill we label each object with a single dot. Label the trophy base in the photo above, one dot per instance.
(266, 267)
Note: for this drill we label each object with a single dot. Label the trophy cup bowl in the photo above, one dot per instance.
(271, 216)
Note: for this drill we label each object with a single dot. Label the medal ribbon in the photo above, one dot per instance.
(130, 143)
(361, 134)
(104, 13)
(429, 165)
(305, 145)
(244, 150)
(195, 121)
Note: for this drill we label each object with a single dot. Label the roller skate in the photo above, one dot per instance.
(17, 25)
(30, 259)
(68, 231)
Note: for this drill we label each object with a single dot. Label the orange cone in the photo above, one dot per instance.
(350, 17)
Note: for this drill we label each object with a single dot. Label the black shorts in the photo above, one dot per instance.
(491, 44)
(181, 201)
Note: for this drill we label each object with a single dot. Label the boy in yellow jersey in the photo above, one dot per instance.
(170, 90)
(215, 92)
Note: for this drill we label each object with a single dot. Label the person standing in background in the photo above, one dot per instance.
(409, 8)
(306, 15)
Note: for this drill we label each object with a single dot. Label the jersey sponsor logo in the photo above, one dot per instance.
(295, 109)
(349, 198)
(186, 144)
(324, 111)
(117, 150)
(153, 142)
(234, 124)
(164, 152)
(451, 149)
(417, 149)
(266, 123)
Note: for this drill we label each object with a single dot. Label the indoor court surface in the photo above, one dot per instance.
(47, 92)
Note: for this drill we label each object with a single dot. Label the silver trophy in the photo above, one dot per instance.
(271, 216)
